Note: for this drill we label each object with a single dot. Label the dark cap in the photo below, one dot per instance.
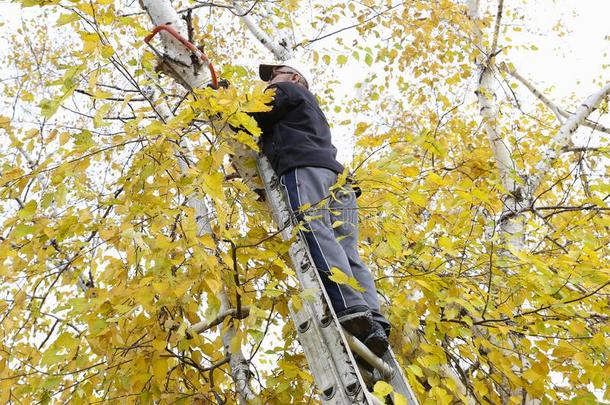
(265, 71)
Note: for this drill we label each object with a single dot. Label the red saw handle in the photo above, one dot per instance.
(188, 45)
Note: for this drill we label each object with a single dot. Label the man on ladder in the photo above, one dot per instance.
(297, 142)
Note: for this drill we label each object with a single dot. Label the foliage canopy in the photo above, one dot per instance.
(103, 270)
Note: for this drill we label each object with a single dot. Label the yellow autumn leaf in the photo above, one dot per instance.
(340, 277)
(399, 399)
(28, 210)
(212, 185)
(67, 18)
(159, 368)
(381, 389)
(296, 303)
(418, 199)
(98, 224)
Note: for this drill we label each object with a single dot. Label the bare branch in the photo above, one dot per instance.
(564, 135)
(545, 100)
(349, 27)
(536, 311)
(494, 44)
(108, 98)
(229, 313)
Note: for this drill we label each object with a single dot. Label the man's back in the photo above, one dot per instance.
(295, 132)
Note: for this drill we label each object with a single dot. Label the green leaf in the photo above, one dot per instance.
(415, 369)
(28, 210)
(67, 18)
(66, 340)
(48, 107)
(98, 119)
(22, 230)
(50, 357)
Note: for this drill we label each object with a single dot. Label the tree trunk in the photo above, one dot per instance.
(190, 75)
(520, 195)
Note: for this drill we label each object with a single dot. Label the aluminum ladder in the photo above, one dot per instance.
(328, 348)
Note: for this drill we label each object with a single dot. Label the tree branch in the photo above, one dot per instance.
(108, 98)
(564, 134)
(494, 44)
(543, 308)
(349, 27)
(201, 327)
(546, 101)
(279, 51)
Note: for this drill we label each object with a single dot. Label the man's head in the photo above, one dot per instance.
(283, 73)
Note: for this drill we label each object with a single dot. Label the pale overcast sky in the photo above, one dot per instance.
(562, 65)
(579, 56)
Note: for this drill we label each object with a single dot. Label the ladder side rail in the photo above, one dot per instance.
(341, 358)
(319, 358)
(399, 381)
(309, 278)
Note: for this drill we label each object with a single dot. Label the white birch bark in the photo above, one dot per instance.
(511, 222)
(162, 12)
(177, 57)
(281, 52)
(559, 112)
(564, 135)
(283, 35)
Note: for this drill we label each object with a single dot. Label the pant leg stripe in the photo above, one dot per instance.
(320, 251)
(290, 179)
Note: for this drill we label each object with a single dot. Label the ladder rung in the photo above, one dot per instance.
(335, 387)
(374, 400)
(361, 350)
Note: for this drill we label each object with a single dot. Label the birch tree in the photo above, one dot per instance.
(137, 265)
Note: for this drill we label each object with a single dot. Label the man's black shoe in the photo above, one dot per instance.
(377, 341)
(381, 320)
(387, 328)
(357, 320)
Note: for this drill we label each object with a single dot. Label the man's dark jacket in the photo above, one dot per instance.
(295, 131)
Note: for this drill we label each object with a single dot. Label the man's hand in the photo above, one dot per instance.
(224, 83)
(354, 184)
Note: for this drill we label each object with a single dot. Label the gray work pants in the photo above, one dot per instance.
(331, 247)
